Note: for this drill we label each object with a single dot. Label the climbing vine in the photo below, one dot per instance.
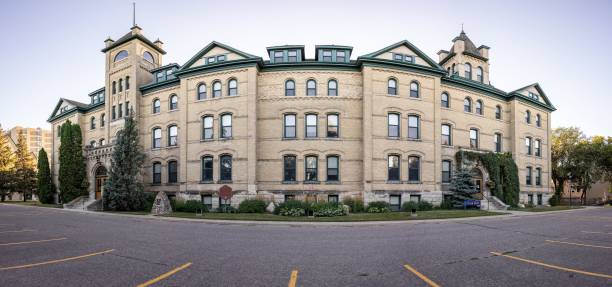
(503, 173)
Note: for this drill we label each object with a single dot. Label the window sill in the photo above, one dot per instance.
(290, 182)
(312, 182)
(207, 182)
(333, 182)
(448, 146)
(207, 140)
(311, 138)
(156, 149)
(393, 138)
(394, 181)
(332, 138)
(156, 184)
(226, 139)
(172, 146)
(414, 182)
(224, 181)
(415, 140)
(289, 139)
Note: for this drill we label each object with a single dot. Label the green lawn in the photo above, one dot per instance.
(34, 203)
(545, 208)
(434, 214)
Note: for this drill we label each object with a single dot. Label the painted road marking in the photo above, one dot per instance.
(293, 278)
(16, 231)
(165, 275)
(35, 241)
(579, 244)
(420, 275)
(597, 232)
(553, 266)
(55, 261)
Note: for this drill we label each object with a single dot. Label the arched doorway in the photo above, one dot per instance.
(477, 179)
(100, 179)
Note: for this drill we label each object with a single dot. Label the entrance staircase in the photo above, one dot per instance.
(84, 203)
(490, 202)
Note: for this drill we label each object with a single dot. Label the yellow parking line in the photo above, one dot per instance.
(293, 278)
(554, 266)
(579, 244)
(35, 241)
(165, 275)
(420, 275)
(16, 231)
(55, 261)
(597, 232)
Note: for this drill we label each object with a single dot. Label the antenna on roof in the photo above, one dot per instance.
(461, 27)
(133, 14)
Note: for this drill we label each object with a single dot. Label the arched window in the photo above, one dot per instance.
(468, 70)
(289, 88)
(207, 168)
(528, 176)
(92, 144)
(392, 87)
(157, 137)
(173, 102)
(467, 105)
(289, 124)
(92, 123)
(201, 91)
(474, 138)
(157, 172)
(414, 127)
(528, 145)
(332, 125)
(172, 135)
(216, 89)
(226, 126)
(207, 127)
(497, 140)
(148, 57)
(114, 87)
(454, 69)
(333, 170)
(225, 168)
(446, 134)
(172, 171)
(414, 90)
(479, 107)
(332, 88)
(120, 85)
(232, 87)
(498, 112)
(479, 74)
(289, 168)
(393, 121)
(414, 168)
(538, 120)
(393, 167)
(311, 125)
(311, 168)
(528, 117)
(445, 100)
(536, 146)
(121, 55)
(156, 106)
(311, 88)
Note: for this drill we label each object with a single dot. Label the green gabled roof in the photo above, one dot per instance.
(283, 47)
(209, 47)
(78, 107)
(159, 86)
(516, 93)
(333, 47)
(97, 91)
(411, 47)
(165, 67)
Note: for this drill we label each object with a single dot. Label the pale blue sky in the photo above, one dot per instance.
(51, 49)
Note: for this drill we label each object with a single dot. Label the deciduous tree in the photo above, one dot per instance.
(7, 165)
(25, 169)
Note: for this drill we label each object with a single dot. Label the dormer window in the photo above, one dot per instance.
(291, 56)
(403, 58)
(409, 59)
(211, 60)
(160, 76)
(327, 55)
(398, 57)
(221, 58)
(120, 56)
(278, 57)
(534, 96)
(148, 57)
(340, 56)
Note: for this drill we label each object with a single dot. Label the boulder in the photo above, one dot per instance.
(270, 208)
(161, 204)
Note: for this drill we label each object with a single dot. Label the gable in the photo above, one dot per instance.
(537, 94)
(215, 52)
(404, 48)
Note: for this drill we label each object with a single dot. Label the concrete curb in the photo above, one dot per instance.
(511, 214)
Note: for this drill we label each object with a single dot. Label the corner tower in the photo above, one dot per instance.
(465, 60)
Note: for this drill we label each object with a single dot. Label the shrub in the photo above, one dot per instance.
(378, 207)
(252, 206)
(292, 204)
(446, 204)
(408, 206)
(355, 204)
(189, 206)
(149, 200)
(424, 206)
(292, 211)
(553, 200)
(326, 209)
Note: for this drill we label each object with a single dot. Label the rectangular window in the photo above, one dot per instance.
(289, 197)
(289, 126)
(157, 172)
(289, 168)
(327, 55)
(395, 202)
(413, 127)
(127, 109)
(393, 171)
(311, 173)
(292, 56)
(220, 58)
(415, 198)
(225, 163)
(446, 135)
(393, 125)
(114, 112)
(127, 83)
(172, 136)
(497, 138)
(538, 176)
(398, 57)
(157, 138)
(278, 57)
(341, 56)
(226, 126)
(414, 166)
(537, 148)
(207, 168)
(172, 172)
(528, 145)
(120, 110)
(311, 126)
(446, 171)
(333, 198)
(160, 76)
(473, 138)
(528, 176)
(409, 59)
(207, 201)
(332, 168)
(207, 124)
(332, 126)
(540, 199)
(212, 60)
(530, 198)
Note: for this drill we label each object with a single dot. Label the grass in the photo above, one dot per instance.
(34, 203)
(390, 216)
(545, 208)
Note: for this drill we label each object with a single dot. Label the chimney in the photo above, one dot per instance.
(442, 54)
(108, 42)
(484, 51)
(159, 43)
(136, 30)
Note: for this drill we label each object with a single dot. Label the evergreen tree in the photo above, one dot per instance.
(72, 175)
(462, 186)
(46, 188)
(7, 165)
(124, 189)
(25, 170)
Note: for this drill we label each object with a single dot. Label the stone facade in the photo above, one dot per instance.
(256, 95)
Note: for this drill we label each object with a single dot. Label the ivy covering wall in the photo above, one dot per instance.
(503, 173)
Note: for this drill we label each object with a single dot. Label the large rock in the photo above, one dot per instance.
(161, 205)
(270, 207)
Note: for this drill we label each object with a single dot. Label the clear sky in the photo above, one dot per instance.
(51, 49)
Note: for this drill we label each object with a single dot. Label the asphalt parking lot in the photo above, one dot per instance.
(52, 247)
